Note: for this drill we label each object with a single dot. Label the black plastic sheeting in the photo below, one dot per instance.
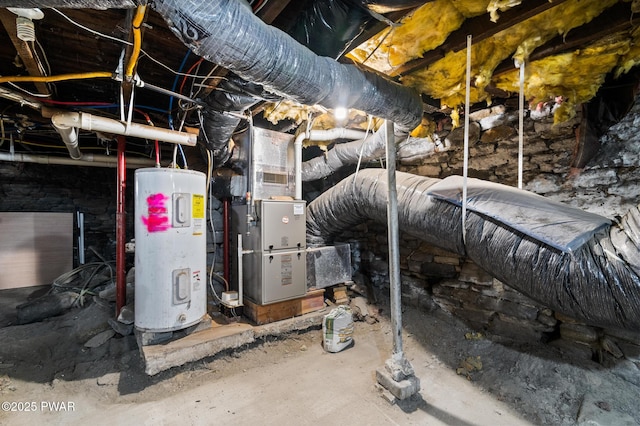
(227, 33)
(328, 27)
(597, 282)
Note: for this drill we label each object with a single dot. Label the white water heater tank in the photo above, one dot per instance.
(170, 255)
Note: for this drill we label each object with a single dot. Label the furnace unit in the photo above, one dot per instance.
(271, 259)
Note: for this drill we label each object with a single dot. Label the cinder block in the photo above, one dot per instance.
(402, 389)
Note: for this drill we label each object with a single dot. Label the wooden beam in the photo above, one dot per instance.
(73, 4)
(616, 19)
(272, 10)
(481, 28)
(24, 49)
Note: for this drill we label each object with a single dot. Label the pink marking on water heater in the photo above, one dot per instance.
(158, 220)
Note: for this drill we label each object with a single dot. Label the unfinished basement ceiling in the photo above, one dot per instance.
(570, 49)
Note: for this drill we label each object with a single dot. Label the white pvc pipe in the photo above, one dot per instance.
(90, 122)
(93, 160)
(69, 136)
(319, 135)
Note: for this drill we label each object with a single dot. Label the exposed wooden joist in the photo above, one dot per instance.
(75, 4)
(616, 19)
(24, 49)
(480, 28)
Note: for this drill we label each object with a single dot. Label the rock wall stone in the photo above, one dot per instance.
(433, 278)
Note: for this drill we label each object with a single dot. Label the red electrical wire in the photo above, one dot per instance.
(157, 145)
(257, 5)
(184, 79)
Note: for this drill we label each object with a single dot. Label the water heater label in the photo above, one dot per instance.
(197, 210)
(298, 209)
(198, 206)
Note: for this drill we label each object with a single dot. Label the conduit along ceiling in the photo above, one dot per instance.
(75, 56)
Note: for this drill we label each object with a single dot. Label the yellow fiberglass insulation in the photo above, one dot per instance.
(423, 30)
(445, 78)
(471, 8)
(548, 78)
(322, 118)
(632, 57)
(500, 5)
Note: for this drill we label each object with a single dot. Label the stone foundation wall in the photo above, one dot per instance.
(436, 279)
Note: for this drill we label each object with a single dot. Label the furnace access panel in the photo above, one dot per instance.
(275, 270)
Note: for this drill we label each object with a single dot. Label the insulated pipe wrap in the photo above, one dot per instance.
(597, 283)
(227, 33)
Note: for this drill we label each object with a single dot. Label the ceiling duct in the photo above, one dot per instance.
(227, 33)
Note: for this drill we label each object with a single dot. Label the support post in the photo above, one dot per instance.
(397, 376)
(121, 284)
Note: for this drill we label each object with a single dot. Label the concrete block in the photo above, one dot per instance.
(195, 346)
(402, 389)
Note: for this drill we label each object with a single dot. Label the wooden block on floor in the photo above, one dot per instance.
(265, 314)
(338, 294)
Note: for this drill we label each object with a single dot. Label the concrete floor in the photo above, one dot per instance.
(290, 379)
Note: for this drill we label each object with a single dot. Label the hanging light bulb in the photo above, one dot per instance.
(340, 113)
(24, 22)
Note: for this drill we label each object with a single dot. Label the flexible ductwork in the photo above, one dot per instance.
(575, 263)
(233, 95)
(227, 33)
(365, 150)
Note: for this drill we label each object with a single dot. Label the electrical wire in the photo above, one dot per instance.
(125, 42)
(260, 6)
(59, 77)
(35, 95)
(173, 88)
(364, 141)
(75, 280)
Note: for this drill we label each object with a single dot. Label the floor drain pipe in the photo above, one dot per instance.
(397, 376)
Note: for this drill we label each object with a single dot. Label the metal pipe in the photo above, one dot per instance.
(91, 160)
(164, 91)
(90, 122)
(121, 284)
(80, 237)
(394, 241)
(225, 244)
(240, 267)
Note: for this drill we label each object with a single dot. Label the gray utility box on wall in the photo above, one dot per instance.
(275, 267)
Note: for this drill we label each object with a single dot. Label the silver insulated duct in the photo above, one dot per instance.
(227, 33)
(575, 262)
